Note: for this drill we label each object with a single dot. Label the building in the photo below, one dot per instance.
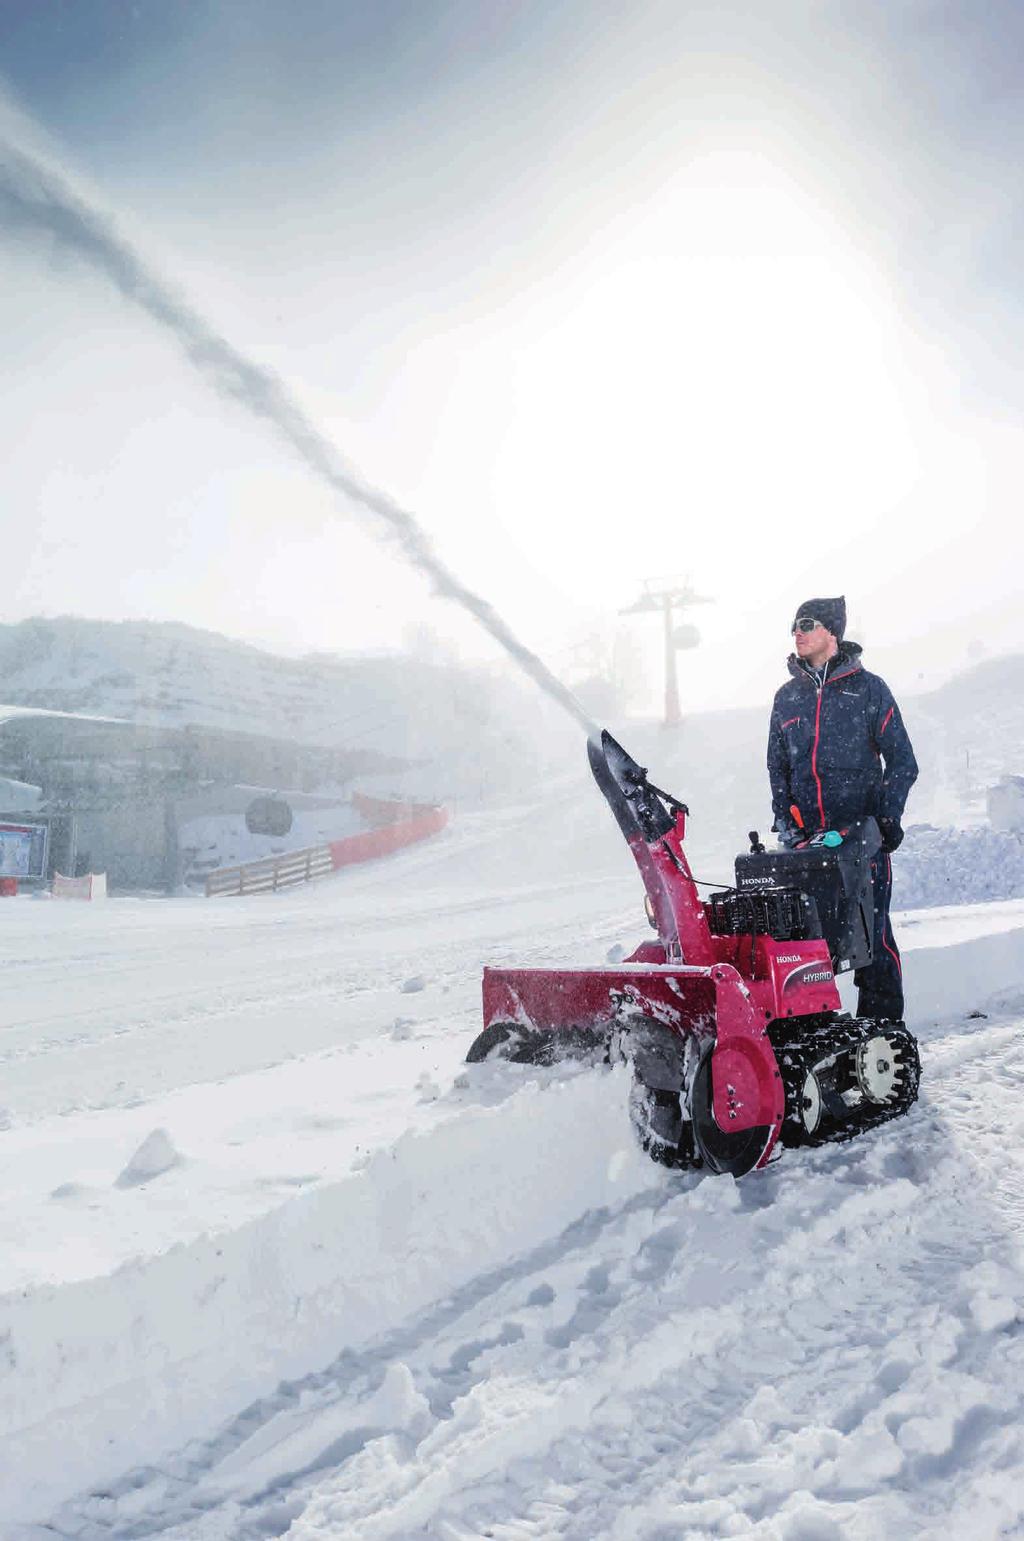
(107, 791)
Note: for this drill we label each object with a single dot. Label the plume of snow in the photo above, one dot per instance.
(40, 199)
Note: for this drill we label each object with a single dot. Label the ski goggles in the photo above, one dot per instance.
(805, 623)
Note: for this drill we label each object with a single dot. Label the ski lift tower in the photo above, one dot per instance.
(669, 596)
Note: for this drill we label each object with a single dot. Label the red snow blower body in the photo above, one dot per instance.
(731, 1019)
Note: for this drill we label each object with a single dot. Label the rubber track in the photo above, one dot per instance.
(799, 1049)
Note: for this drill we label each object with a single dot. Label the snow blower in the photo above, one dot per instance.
(731, 1020)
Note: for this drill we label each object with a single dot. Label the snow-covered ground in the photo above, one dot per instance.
(377, 1294)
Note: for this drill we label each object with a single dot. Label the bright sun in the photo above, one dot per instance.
(730, 355)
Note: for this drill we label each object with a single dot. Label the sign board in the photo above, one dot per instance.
(92, 885)
(23, 850)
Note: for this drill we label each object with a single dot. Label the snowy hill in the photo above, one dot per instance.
(460, 720)
(162, 672)
(972, 732)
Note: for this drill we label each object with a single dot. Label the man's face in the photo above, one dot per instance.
(814, 646)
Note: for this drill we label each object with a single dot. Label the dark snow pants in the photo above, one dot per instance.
(880, 985)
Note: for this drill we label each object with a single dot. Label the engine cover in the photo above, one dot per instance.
(838, 879)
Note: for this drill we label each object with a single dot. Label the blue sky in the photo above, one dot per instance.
(743, 276)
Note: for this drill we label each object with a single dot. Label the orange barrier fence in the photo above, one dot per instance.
(397, 825)
(388, 837)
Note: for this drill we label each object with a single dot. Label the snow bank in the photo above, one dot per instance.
(945, 984)
(113, 1371)
(957, 866)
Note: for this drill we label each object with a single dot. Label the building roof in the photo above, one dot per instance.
(9, 712)
(18, 796)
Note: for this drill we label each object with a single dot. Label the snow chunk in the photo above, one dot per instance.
(931, 1435)
(399, 1405)
(992, 1313)
(71, 1190)
(811, 1521)
(991, 1293)
(154, 1156)
(411, 986)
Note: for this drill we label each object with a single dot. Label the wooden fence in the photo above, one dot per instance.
(391, 831)
(271, 873)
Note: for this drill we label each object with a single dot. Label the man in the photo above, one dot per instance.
(837, 751)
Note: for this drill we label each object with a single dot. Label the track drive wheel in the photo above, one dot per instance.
(735, 1153)
(879, 1067)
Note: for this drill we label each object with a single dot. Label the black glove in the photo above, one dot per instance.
(892, 834)
(789, 836)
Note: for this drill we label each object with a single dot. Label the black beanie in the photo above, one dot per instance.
(830, 612)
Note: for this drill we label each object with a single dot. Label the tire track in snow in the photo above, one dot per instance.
(832, 1381)
(309, 1412)
(289, 1289)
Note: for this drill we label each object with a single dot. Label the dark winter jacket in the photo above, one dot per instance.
(838, 750)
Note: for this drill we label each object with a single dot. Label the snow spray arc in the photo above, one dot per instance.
(37, 197)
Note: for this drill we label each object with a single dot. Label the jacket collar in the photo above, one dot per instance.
(846, 660)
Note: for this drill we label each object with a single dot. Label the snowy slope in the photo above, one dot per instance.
(163, 672)
(973, 728)
(379, 1295)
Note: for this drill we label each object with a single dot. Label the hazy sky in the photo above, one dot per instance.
(602, 290)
